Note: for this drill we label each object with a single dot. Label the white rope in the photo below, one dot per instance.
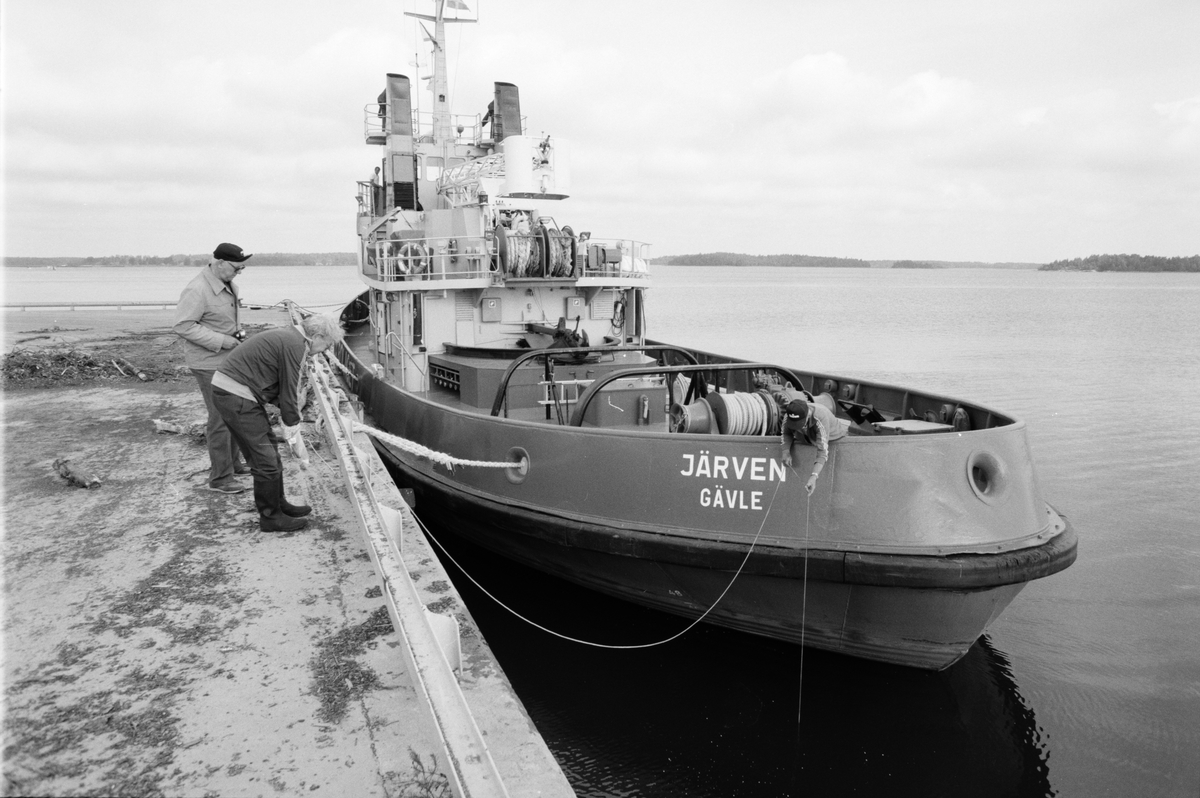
(441, 458)
(333, 361)
(675, 636)
(803, 606)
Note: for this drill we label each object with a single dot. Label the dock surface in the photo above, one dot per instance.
(157, 643)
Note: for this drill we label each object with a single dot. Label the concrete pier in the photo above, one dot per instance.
(156, 643)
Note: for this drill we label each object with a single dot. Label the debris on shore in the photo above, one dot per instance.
(338, 678)
(53, 366)
(196, 429)
(74, 475)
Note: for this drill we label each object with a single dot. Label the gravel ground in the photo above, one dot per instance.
(155, 642)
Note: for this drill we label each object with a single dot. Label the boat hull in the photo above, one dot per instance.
(919, 620)
(893, 559)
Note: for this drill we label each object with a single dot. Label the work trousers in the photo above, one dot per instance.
(248, 424)
(222, 448)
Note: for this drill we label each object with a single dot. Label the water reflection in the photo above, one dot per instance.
(715, 712)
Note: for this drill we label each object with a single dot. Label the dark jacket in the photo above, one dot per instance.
(271, 364)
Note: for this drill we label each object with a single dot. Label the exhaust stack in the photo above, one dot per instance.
(400, 165)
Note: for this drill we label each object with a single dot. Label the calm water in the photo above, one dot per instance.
(318, 287)
(1088, 685)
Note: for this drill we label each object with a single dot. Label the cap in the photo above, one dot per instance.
(798, 408)
(231, 253)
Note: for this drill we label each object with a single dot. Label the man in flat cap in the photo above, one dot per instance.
(207, 321)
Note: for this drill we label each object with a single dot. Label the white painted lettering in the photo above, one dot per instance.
(739, 470)
(720, 462)
(703, 466)
(756, 500)
(756, 469)
(705, 497)
(691, 458)
(777, 467)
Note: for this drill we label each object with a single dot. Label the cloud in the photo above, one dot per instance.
(152, 124)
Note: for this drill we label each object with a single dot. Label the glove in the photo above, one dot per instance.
(295, 442)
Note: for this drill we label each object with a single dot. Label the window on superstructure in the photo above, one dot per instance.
(433, 167)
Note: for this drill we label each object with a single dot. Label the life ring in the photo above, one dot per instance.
(413, 259)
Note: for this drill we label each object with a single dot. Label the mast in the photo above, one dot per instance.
(441, 99)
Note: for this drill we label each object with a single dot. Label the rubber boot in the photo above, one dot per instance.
(294, 510)
(268, 498)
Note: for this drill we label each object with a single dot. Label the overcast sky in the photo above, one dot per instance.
(1022, 130)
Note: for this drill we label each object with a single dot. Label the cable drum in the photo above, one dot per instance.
(727, 414)
(748, 413)
(696, 418)
(773, 412)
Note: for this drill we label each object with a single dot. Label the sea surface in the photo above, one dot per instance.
(1087, 685)
(321, 288)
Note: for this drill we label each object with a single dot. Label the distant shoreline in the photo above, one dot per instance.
(182, 261)
(1092, 263)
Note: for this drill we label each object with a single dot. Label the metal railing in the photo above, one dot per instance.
(500, 402)
(412, 259)
(615, 257)
(463, 129)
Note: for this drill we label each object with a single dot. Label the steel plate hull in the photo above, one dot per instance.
(893, 559)
(922, 627)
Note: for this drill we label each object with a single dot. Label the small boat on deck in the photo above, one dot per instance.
(649, 470)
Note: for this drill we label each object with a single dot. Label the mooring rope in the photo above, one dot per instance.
(568, 638)
(803, 605)
(412, 447)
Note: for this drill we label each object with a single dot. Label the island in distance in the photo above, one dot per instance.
(1092, 263)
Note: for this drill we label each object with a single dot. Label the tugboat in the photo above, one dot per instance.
(491, 332)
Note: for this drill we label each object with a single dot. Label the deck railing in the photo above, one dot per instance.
(527, 256)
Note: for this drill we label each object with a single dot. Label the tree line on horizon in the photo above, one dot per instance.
(259, 259)
(735, 259)
(1099, 263)
(1125, 263)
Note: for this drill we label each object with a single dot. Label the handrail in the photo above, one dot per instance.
(502, 390)
(635, 371)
